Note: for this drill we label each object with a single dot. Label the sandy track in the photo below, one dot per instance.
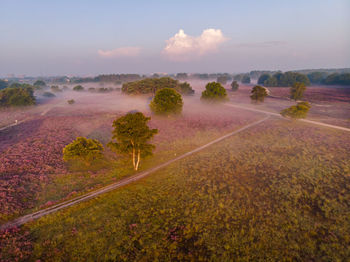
(278, 115)
(30, 217)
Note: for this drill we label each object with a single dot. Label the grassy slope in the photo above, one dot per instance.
(277, 194)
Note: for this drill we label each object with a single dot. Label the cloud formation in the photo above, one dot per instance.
(182, 47)
(129, 51)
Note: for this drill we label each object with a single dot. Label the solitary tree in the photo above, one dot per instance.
(298, 111)
(258, 94)
(167, 101)
(234, 85)
(297, 91)
(84, 149)
(132, 134)
(214, 92)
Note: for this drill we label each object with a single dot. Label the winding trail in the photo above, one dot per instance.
(30, 217)
(278, 115)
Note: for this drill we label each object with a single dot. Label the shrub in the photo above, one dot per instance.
(185, 89)
(84, 149)
(298, 111)
(92, 89)
(55, 89)
(78, 88)
(39, 83)
(71, 101)
(48, 94)
(167, 101)
(214, 92)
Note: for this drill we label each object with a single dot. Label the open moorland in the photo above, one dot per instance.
(274, 191)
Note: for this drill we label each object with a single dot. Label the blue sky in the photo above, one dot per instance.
(92, 37)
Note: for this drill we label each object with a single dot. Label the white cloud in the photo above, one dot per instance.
(184, 47)
(128, 51)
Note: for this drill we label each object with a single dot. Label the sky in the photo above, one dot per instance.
(85, 37)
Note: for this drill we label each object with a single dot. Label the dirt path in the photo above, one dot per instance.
(30, 217)
(278, 115)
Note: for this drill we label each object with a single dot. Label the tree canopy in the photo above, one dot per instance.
(214, 92)
(167, 101)
(16, 96)
(297, 91)
(297, 111)
(245, 79)
(132, 134)
(3, 84)
(234, 85)
(151, 85)
(258, 94)
(39, 83)
(84, 149)
(286, 79)
(78, 88)
(337, 79)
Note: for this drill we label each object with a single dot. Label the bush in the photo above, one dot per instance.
(39, 83)
(234, 85)
(214, 92)
(167, 101)
(258, 94)
(298, 111)
(92, 89)
(55, 89)
(83, 149)
(17, 97)
(78, 88)
(48, 94)
(71, 101)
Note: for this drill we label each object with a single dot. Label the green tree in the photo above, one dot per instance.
(16, 96)
(214, 92)
(78, 88)
(83, 149)
(245, 79)
(298, 111)
(258, 94)
(263, 78)
(234, 85)
(3, 84)
(185, 89)
(167, 101)
(297, 91)
(132, 134)
(39, 83)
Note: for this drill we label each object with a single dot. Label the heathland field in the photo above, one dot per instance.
(279, 191)
(276, 191)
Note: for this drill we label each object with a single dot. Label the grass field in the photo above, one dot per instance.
(279, 191)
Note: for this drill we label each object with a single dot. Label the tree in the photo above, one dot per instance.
(167, 101)
(214, 92)
(245, 79)
(55, 89)
(71, 101)
(48, 94)
(298, 111)
(132, 135)
(258, 94)
(78, 88)
(84, 149)
(263, 78)
(234, 85)
(222, 80)
(3, 84)
(297, 91)
(39, 83)
(16, 96)
(185, 89)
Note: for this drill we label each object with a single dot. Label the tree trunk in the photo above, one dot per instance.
(138, 159)
(133, 158)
